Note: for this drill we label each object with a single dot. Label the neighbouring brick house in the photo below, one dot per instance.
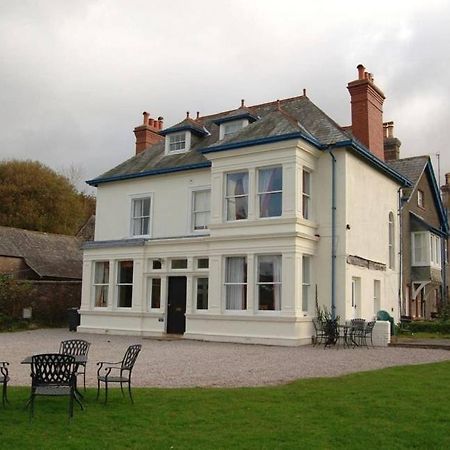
(51, 262)
(424, 233)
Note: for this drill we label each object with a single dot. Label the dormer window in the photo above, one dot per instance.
(178, 142)
(228, 128)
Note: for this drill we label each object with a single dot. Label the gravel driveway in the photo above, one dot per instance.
(183, 363)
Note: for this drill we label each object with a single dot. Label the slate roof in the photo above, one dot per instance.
(412, 168)
(282, 119)
(49, 255)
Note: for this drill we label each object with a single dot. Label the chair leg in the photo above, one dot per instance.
(72, 396)
(106, 392)
(4, 398)
(121, 388)
(32, 406)
(129, 392)
(98, 389)
(84, 378)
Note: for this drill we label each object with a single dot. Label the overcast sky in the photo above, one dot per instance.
(75, 76)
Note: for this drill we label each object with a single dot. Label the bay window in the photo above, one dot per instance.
(236, 196)
(270, 189)
(236, 283)
(306, 194)
(425, 249)
(269, 282)
(306, 282)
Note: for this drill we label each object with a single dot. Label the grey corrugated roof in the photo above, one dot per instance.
(297, 114)
(49, 255)
(411, 168)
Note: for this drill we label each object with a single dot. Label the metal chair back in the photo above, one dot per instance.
(130, 356)
(74, 347)
(53, 369)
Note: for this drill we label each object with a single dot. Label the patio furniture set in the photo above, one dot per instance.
(355, 333)
(55, 374)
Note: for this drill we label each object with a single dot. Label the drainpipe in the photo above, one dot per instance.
(400, 253)
(333, 236)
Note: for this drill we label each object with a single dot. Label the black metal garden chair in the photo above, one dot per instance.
(357, 331)
(319, 331)
(4, 378)
(118, 372)
(368, 333)
(76, 347)
(53, 375)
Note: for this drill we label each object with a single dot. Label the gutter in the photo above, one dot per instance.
(97, 181)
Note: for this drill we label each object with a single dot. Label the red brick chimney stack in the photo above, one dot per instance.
(391, 143)
(147, 133)
(367, 111)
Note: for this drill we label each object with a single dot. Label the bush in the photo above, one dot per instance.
(14, 296)
(441, 327)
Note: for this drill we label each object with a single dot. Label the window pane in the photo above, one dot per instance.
(270, 205)
(269, 297)
(232, 127)
(236, 295)
(201, 200)
(125, 272)
(101, 296)
(305, 297)
(125, 295)
(306, 282)
(101, 272)
(179, 263)
(156, 292)
(156, 264)
(236, 270)
(141, 216)
(237, 208)
(201, 220)
(203, 263)
(237, 183)
(202, 293)
(270, 179)
(306, 182)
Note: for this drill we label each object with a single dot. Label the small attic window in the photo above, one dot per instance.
(178, 142)
(231, 127)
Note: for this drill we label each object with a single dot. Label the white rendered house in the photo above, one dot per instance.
(229, 227)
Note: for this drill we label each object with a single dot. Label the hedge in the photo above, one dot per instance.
(442, 327)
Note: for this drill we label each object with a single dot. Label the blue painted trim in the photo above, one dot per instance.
(175, 129)
(97, 181)
(260, 141)
(437, 196)
(427, 225)
(378, 163)
(247, 115)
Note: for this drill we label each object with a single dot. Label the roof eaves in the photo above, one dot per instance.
(373, 160)
(128, 176)
(437, 196)
(264, 140)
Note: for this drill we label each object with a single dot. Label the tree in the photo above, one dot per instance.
(35, 197)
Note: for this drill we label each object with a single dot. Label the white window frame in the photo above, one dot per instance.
(118, 285)
(236, 124)
(261, 193)
(107, 284)
(150, 292)
(274, 283)
(391, 240)
(187, 142)
(196, 292)
(134, 198)
(229, 283)
(193, 212)
(376, 296)
(426, 249)
(179, 268)
(306, 196)
(228, 197)
(420, 198)
(306, 283)
(198, 259)
(435, 247)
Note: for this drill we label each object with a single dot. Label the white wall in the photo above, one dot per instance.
(171, 208)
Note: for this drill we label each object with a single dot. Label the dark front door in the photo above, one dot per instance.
(176, 305)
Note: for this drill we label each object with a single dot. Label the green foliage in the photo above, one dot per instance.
(370, 410)
(34, 197)
(14, 296)
(430, 326)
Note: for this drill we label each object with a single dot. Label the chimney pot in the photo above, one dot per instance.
(145, 114)
(242, 103)
(187, 114)
(198, 115)
(304, 92)
(361, 70)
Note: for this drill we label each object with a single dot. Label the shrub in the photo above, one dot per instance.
(442, 327)
(14, 296)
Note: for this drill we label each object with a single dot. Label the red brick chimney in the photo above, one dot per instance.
(147, 133)
(367, 111)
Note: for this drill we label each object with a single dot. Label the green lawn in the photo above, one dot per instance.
(403, 407)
